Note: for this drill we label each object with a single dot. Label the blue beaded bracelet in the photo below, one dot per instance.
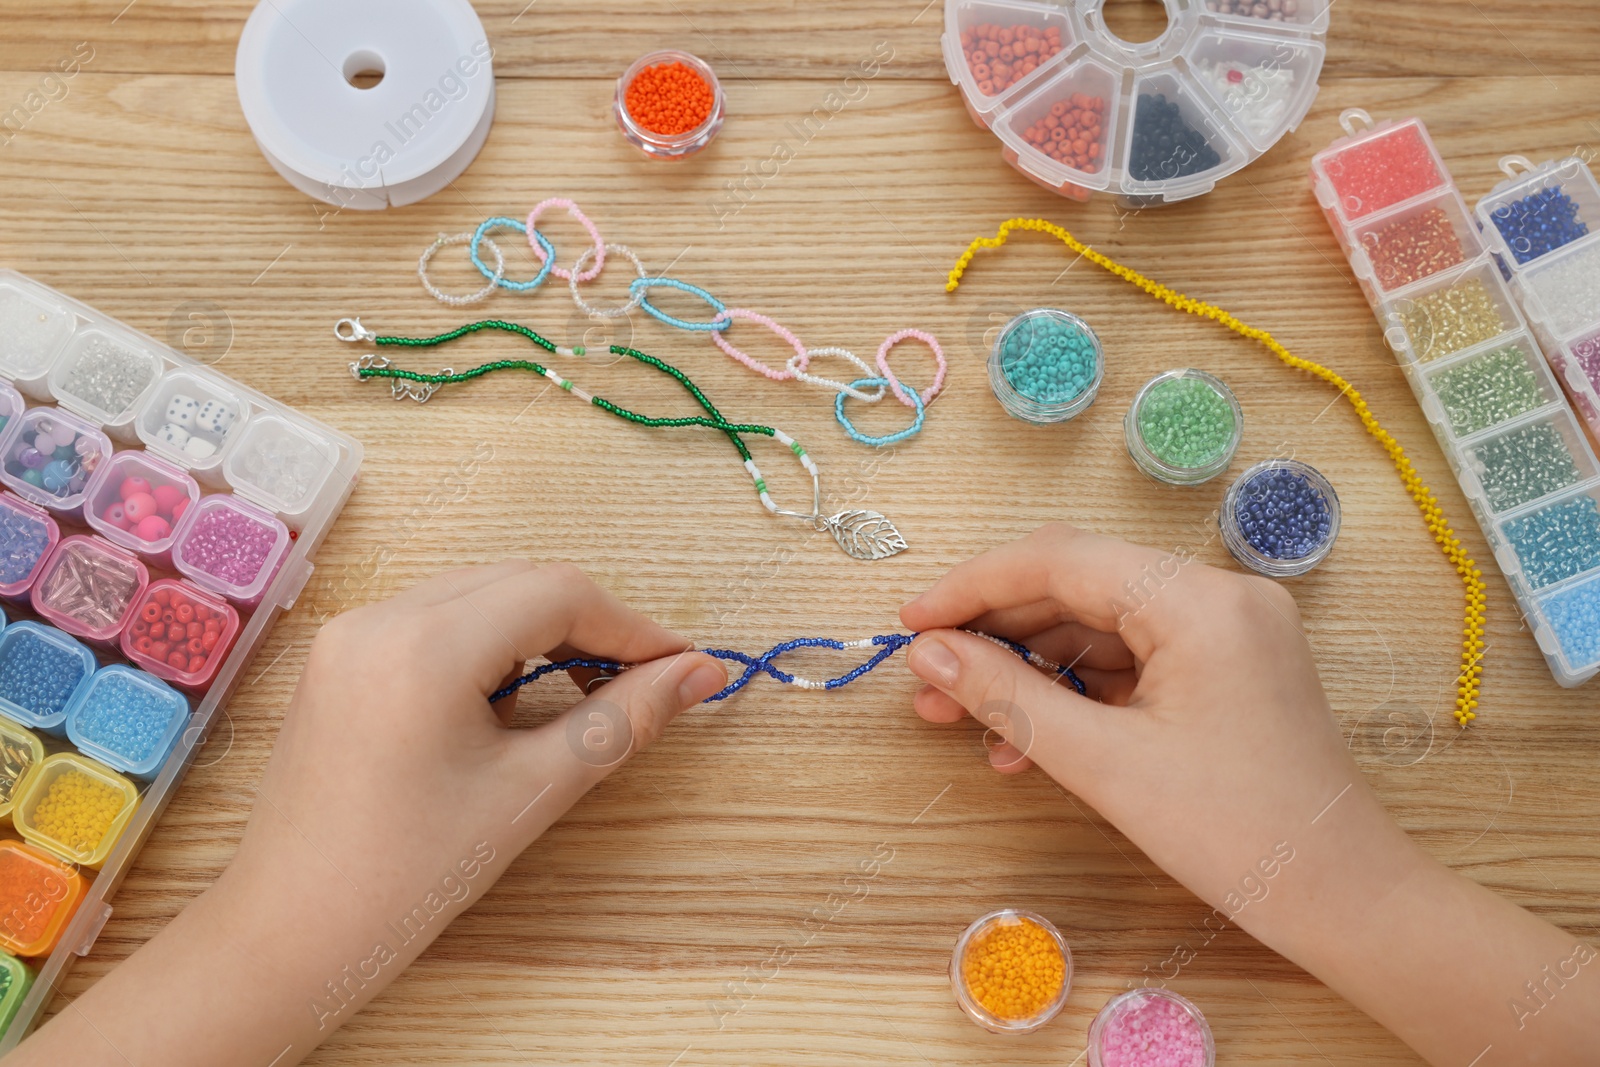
(639, 285)
(488, 226)
(886, 439)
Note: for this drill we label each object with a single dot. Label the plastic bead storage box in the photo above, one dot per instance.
(1516, 446)
(157, 517)
(1079, 110)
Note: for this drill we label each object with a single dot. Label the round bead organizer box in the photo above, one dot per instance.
(156, 517)
(1079, 110)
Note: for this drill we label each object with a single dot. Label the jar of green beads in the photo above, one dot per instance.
(1046, 366)
(1183, 427)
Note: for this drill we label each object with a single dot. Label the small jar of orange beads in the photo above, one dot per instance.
(1011, 971)
(669, 104)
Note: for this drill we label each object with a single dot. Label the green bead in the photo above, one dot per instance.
(1488, 389)
(1185, 423)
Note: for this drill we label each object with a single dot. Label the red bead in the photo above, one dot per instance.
(195, 647)
(196, 664)
(159, 649)
(152, 528)
(185, 612)
(179, 660)
(209, 639)
(151, 612)
(162, 596)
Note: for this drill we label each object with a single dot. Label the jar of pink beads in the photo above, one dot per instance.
(1150, 1028)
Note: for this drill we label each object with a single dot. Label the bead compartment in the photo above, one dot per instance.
(88, 588)
(1277, 83)
(68, 777)
(27, 537)
(33, 330)
(133, 495)
(206, 390)
(41, 669)
(1564, 287)
(1375, 168)
(1571, 627)
(1190, 389)
(142, 643)
(1165, 105)
(981, 927)
(104, 375)
(16, 978)
(38, 897)
(127, 720)
(1552, 541)
(1006, 15)
(1521, 210)
(1083, 85)
(1488, 385)
(1020, 349)
(20, 751)
(1271, 477)
(1449, 313)
(669, 146)
(231, 547)
(1527, 460)
(59, 478)
(279, 464)
(1398, 247)
(1137, 1009)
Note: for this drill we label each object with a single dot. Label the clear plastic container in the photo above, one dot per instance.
(57, 479)
(1551, 541)
(11, 405)
(1375, 166)
(68, 781)
(1024, 372)
(1169, 107)
(1261, 532)
(1523, 461)
(1538, 210)
(34, 327)
(180, 633)
(669, 146)
(1006, 923)
(1449, 313)
(88, 587)
(1306, 14)
(41, 669)
(137, 501)
(16, 978)
(1279, 57)
(189, 418)
(1183, 427)
(1566, 624)
(41, 895)
(1413, 242)
(1563, 288)
(20, 751)
(127, 719)
(27, 537)
(104, 375)
(231, 547)
(279, 463)
(1485, 386)
(1147, 1026)
(1079, 99)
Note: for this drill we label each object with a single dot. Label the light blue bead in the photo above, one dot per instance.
(716, 322)
(886, 439)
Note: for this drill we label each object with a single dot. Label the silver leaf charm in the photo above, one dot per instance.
(865, 534)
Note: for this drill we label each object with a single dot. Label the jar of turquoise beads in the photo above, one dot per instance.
(1046, 366)
(1183, 427)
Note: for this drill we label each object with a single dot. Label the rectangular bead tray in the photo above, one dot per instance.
(164, 472)
(1490, 385)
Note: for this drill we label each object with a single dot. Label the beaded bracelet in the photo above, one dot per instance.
(863, 534)
(1472, 645)
(886, 645)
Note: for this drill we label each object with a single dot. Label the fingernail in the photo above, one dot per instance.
(703, 681)
(932, 661)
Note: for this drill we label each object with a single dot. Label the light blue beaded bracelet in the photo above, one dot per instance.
(716, 322)
(488, 226)
(886, 439)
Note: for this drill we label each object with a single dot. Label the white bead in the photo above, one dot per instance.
(173, 434)
(181, 409)
(200, 448)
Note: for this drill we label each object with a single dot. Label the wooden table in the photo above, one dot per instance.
(142, 192)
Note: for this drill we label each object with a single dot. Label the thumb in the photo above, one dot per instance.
(600, 732)
(1040, 717)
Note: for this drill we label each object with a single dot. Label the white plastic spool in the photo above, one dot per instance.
(396, 142)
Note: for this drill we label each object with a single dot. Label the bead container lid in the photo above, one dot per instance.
(137, 501)
(279, 464)
(75, 807)
(1564, 288)
(34, 327)
(645, 135)
(88, 587)
(20, 751)
(1392, 249)
(1538, 210)
(1046, 366)
(1150, 1027)
(1280, 518)
(56, 478)
(40, 671)
(16, 978)
(127, 719)
(180, 633)
(230, 547)
(38, 897)
(104, 374)
(1183, 427)
(11, 404)
(1375, 167)
(1526, 460)
(27, 536)
(995, 992)
(190, 417)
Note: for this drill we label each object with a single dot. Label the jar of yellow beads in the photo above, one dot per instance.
(75, 807)
(1011, 971)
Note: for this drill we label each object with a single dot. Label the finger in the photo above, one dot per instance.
(1149, 597)
(601, 732)
(935, 706)
(528, 614)
(453, 584)
(1108, 687)
(1046, 721)
(506, 707)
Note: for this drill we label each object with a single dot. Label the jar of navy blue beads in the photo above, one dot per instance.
(1280, 518)
(1046, 366)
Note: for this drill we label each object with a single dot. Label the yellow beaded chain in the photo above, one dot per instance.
(1472, 645)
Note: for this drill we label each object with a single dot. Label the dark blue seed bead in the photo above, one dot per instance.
(1283, 515)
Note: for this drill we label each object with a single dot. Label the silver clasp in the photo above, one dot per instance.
(351, 330)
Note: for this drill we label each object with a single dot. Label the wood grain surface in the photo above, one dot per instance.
(610, 942)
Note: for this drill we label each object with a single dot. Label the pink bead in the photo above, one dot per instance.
(116, 516)
(932, 342)
(138, 505)
(133, 486)
(167, 497)
(179, 508)
(152, 528)
(1152, 1032)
